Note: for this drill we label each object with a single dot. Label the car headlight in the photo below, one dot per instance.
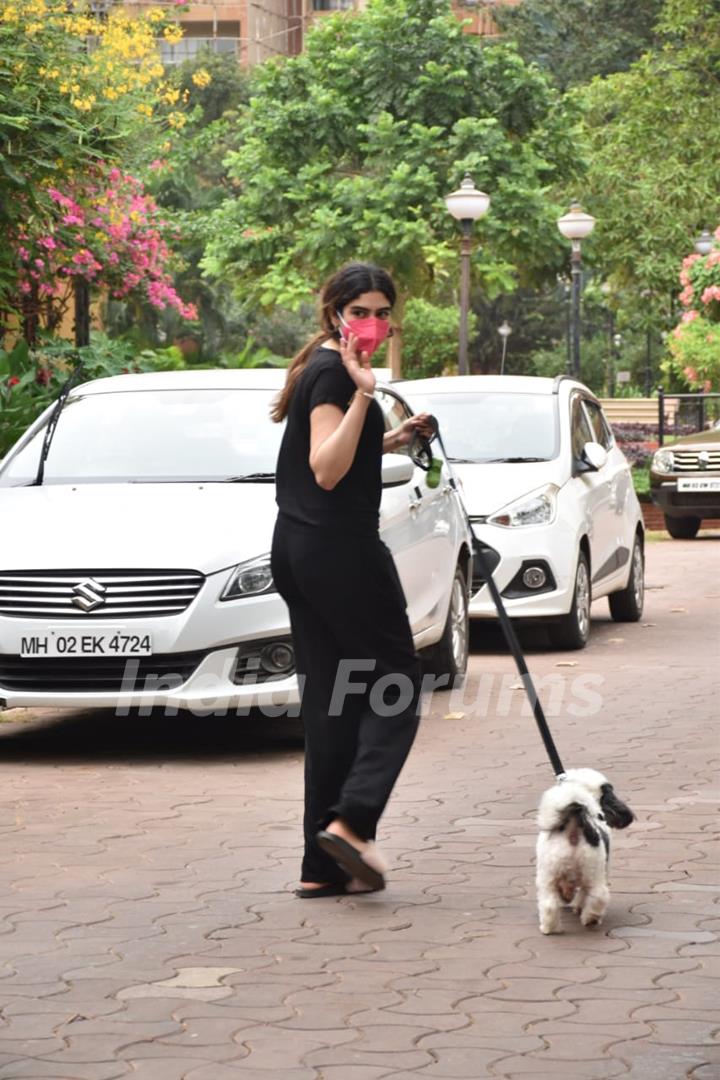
(537, 508)
(663, 461)
(251, 578)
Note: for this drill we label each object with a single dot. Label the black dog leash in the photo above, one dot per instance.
(505, 620)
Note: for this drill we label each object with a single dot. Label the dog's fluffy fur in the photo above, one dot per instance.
(573, 847)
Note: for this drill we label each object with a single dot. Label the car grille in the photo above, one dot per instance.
(97, 594)
(688, 461)
(94, 674)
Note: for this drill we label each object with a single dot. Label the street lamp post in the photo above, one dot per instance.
(617, 340)
(466, 205)
(575, 226)
(504, 330)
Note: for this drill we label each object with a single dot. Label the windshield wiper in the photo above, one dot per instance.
(512, 460)
(52, 423)
(463, 461)
(251, 478)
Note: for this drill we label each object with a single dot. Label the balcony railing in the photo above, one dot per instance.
(189, 47)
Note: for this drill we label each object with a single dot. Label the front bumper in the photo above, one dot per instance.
(554, 546)
(674, 503)
(193, 666)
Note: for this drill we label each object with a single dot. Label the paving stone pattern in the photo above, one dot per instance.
(148, 930)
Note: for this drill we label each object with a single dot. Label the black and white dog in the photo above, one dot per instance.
(573, 847)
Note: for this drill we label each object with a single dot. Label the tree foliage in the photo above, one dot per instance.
(75, 88)
(575, 40)
(651, 134)
(347, 151)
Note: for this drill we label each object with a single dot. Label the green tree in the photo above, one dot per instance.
(653, 174)
(575, 40)
(189, 182)
(347, 151)
(75, 88)
(430, 335)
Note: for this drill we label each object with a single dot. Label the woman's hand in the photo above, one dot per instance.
(421, 423)
(357, 364)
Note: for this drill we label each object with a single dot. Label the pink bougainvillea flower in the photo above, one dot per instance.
(711, 293)
(688, 316)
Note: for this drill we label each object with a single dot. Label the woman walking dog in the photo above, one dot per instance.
(347, 607)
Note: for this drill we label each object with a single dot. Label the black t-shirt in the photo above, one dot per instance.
(354, 503)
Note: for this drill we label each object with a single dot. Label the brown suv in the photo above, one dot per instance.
(685, 482)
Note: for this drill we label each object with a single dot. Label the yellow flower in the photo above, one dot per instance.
(144, 109)
(202, 78)
(173, 34)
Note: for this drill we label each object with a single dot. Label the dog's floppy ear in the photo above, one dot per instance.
(617, 814)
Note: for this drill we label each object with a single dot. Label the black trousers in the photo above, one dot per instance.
(360, 677)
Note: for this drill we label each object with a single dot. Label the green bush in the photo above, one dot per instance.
(430, 339)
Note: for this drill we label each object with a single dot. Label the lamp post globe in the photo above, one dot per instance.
(575, 226)
(705, 242)
(466, 205)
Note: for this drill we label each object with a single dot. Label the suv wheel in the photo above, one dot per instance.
(450, 655)
(682, 528)
(573, 630)
(627, 604)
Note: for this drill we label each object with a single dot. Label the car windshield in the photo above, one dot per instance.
(155, 436)
(483, 427)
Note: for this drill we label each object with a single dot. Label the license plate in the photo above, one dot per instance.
(699, 483)
(74, 643)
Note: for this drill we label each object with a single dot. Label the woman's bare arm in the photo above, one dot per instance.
(334, 438)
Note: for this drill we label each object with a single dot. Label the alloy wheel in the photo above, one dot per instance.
(458, 622)
(582, 599)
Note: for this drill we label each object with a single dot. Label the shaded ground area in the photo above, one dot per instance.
(147, 926)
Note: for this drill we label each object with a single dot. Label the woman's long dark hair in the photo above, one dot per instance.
(341, 289)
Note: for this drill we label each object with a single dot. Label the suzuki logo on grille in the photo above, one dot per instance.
(703, 459)
(88, 594)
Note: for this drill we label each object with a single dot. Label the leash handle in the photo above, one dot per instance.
(511, 637)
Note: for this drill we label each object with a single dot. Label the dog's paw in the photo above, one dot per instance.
(551, 928)
(590, 920)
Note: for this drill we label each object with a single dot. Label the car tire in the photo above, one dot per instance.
(682, 528)
(627, 604)
(449, 657)
(573, 630)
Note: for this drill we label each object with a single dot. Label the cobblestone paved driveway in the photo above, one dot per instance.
(147, 929)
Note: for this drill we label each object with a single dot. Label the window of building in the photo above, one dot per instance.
(333, 5)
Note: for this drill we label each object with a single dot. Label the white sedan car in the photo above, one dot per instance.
(549, 495)
(136, 574)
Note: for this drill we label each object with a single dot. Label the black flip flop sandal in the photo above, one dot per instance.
(334, 888)
(350, 859)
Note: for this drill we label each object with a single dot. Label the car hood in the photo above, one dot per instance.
(703, 440)
(488, 488)
(205, 527)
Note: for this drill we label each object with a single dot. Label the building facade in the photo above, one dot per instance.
(257, 30)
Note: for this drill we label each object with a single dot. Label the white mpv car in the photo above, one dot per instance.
(137, 574)
(548, 493)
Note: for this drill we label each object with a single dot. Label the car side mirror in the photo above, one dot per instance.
(594, 456)
(396, 469)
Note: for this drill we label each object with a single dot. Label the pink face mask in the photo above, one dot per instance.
(370, 332)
